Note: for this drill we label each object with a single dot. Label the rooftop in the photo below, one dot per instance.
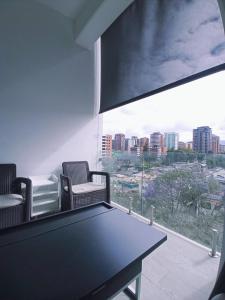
(179, 269)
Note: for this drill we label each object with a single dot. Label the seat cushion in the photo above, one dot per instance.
(87, 187)
(9, 200)
(219, 297)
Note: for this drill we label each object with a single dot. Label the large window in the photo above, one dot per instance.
(168, 151)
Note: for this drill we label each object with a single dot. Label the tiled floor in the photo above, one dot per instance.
(177, 270)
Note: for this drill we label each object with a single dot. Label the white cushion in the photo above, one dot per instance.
(42, 182)
(8, 200)
(86, 187)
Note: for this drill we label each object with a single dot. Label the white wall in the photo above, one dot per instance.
(48, 112)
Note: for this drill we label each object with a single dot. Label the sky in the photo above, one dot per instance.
(199, 103)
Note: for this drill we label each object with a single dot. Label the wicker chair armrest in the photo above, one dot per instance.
(65, 183)
(24, 180)
(107, 177)
(99, 173)
(27, 193)
(66, 189)
(17, 188)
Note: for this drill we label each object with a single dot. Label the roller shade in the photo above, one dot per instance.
(159, 44)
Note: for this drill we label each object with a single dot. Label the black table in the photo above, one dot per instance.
(88, 253)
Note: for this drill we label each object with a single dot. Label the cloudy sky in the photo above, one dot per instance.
(199, 103)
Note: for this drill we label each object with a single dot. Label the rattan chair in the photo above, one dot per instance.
(15, 201)
(78, 188)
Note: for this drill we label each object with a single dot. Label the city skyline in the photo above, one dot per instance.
(140, 137)
(163, 133)
(203, 141)
(181, 109)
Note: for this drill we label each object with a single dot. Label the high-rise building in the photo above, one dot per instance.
(106, 145)
(215, 143)
(134, 141)
(171, 140)
(156, 143)
(128, 144)
(136, 150)
(144, 144)
(119, 142)
(202, 139)
(156, 139)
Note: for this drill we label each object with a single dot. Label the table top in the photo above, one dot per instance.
(68, 255)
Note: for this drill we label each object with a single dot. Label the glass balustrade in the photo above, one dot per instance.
(185, 188)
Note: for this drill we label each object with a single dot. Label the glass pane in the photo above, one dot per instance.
(165, 158)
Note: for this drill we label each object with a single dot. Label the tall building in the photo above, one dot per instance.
(134, 141)
(156, 139)
(156, 143)
(144, 144)
(128, 144)
(215, 143)
(136, 150)
(106, 145)
(171, 140)
(202, 139)
(119, 144)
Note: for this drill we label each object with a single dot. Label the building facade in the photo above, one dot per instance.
(144, 144)
(202, 139)
(215, 144)
(128, 144)
(171, 140)
(156, 143)
(119, 142)
(136, 150)
(134, 141)
(106, 145)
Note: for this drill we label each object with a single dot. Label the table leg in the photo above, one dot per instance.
(138, 287)
(134, 294)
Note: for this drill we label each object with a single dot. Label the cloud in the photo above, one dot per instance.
(217, 50)
(212, 19)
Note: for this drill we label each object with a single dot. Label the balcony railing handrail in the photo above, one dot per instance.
(163, 228)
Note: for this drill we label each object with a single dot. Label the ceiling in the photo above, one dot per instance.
(91, 17)
(69, 8)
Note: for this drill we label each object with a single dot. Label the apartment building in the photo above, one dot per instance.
(106, 145)
(119, 142)
(202, 139)
(215, 144)
(171, 140)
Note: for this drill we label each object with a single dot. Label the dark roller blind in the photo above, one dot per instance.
(159, 44)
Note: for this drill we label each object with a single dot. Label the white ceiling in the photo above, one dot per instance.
(69, 8)
(91, 17)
